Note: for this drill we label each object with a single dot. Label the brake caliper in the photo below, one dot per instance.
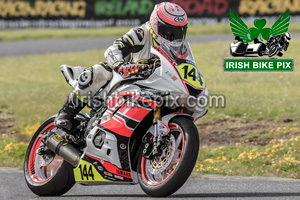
(160, 130)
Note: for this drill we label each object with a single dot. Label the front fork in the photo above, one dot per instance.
(153, 141)
(157, 140)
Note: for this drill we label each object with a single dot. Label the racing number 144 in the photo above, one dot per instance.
(192, 73)
(86, 173)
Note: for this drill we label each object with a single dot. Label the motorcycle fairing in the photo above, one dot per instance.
(170, 77)
(129, 114)
(167, 76)
(94, 171)
(125, 110)
(181, 58)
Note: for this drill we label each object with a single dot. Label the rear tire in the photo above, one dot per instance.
(183, 168)
(53, 180)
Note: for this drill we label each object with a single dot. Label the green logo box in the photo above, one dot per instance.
(258, 65)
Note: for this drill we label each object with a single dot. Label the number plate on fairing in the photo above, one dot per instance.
(87, 172)
(190, 74)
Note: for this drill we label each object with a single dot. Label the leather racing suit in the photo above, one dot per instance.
(134, 46)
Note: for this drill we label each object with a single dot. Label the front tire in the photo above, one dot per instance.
(181, 166)
(54, 179)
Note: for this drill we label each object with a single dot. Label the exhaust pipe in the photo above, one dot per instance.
(58, 145)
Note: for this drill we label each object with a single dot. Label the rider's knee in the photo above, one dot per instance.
(102, 71)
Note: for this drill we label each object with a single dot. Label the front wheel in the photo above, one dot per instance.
(164, 175)
(46, 174)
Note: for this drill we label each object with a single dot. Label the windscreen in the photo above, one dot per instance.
(180, 51)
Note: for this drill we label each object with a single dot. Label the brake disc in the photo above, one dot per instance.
(158, 164)
(45, 156)
(46, 159)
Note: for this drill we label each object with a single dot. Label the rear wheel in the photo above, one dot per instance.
(164, 175)
(46, 174)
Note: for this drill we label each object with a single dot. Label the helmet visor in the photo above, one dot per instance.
(170, 32)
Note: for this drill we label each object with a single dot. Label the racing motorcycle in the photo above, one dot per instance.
(143, 133)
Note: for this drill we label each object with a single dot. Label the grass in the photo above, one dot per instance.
(13, 148)
(33, 88)
(31, 34)
(281, 157)
(12, 151)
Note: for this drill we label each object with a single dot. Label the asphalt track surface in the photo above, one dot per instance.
(13, 187)
(31, 47)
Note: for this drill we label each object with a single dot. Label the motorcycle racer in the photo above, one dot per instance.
(129, 55)
(277, 43)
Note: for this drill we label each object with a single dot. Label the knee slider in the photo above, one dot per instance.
(86, 78)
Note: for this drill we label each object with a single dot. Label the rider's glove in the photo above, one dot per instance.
(131, 69)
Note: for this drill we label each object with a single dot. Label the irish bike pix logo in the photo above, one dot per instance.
(251, 45)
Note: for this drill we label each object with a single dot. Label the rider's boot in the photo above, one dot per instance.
(67, 113)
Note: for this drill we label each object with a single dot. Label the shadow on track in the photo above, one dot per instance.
(241, 194)
(202, 195)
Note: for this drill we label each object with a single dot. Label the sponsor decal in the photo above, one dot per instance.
(203, 7)
(44, 9)
(267, 7)
(112, 8)
(122, 146)
(60, 140)
(179, 19)
(109, 178)
(99, 167)
(108, 174)
(119, 177)
(123, 173)
(173, 77)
